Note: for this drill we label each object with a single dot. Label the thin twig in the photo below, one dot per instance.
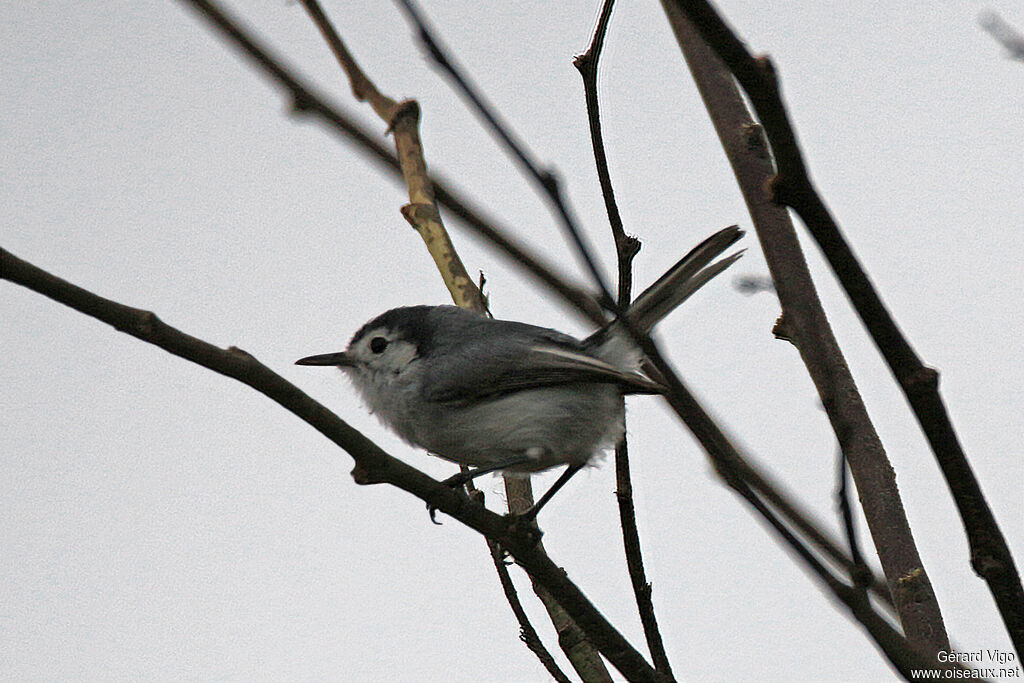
(363, 89)
(626, 248)
(402, 120)
(572, 639)
(373, 465)
(546, 179)
(990, 555)
(527, 633)
(861, 576)
(807, 327)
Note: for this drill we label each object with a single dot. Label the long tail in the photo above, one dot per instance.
(691, 273)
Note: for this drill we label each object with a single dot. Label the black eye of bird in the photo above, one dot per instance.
(378, 344)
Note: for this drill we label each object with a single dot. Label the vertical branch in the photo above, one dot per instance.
(792, 186)
(402, 119)
(808, 328)
(626, 248)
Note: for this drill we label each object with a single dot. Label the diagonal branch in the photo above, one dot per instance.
(626, 246)
(861, 575)
(402, 120)
(527, 633)
(373, 465)
(792, 186)
(809, 330)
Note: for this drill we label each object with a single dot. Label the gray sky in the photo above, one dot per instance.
(162, 522)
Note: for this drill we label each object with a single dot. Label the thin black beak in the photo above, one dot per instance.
(341, 359)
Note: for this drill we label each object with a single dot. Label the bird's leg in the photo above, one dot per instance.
(458, 480)
(531, 514)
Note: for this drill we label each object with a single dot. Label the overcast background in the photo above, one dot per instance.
(162, 522)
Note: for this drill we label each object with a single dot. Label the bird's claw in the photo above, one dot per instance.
(431, 510)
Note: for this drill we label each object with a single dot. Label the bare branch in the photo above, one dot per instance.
(861, 574)
(402, 120)
(990, 556)
(373, 465)
(571, 638)
(807, 327)
(527, 633)
(626, 248)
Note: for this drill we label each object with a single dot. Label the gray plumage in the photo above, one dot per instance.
(497, 394)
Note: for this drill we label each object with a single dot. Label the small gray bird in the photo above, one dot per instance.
(502, 395)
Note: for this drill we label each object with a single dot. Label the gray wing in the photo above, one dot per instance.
(508, 357)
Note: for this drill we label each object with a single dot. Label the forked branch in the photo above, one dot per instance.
(809, 330)
(373, 465)
(990, 555)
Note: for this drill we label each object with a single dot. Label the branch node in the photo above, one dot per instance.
(784, 331)
(629, 246)
(365, 476)
(302, 103)
(765, 65)
(584, 63)
(985, 564)
(524, 535)
(549, 179)
(922, 379)
(146, 324)
(405, 108)
(754, 140)
(241, 353)
(783, 192)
